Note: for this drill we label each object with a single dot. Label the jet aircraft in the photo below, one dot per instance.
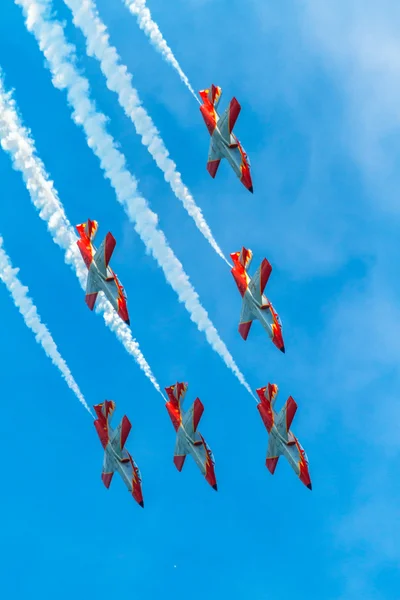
(255, 305)
(188, 439)
(224, 144)
(116, 457)
(101, 277)
(281, 439)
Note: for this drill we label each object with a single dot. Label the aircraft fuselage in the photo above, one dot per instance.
(107, 286)
(262, 314)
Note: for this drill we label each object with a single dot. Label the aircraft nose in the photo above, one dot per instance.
(282, 349)
(128, 322)
(141, 504)
(309, 486)
(215, 487)
(250, 189)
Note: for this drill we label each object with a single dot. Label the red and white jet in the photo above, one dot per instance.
(224, 144)
(101, 277)
(188, 439)
(255, 305)
(116, 457)
(281, 439)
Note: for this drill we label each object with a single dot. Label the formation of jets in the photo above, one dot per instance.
(255, 305)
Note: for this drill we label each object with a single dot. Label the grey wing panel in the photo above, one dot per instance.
(259, 281)
(273, 453)
(214, 153)
(227, 121)
(92, 284)
(285, 417)
(192, 417)
(103, 255)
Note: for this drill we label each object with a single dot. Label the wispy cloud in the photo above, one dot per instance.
(143, 15)
(366, 66)
(60, 58)
(119, 80)
(17, 142)
(19, 294)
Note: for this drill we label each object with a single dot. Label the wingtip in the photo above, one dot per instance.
(215, 487)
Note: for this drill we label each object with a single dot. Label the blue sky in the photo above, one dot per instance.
(319, 94)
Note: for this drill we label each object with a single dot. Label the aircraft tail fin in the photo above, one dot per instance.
(259, 280)
(86, 231)
(267, 395)
(104, 413)
(211, 95)
(104, 253)
(242, 258)
(227, 122)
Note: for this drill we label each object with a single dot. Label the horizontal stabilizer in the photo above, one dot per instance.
(104, 253)
(102, 432)
(259, 280)
(285, 417)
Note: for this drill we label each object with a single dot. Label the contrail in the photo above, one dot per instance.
(143, 15)
(17, 142)
(59, 58)
(118, 79)
(19, 294)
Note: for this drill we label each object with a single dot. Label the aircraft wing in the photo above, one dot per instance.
(227, 121)
(108, 470)
(246, 319)
(103, 254)
(214, 158)
(259, 280)
(120, 434)
(192, 417)
(179, 453)
(285, 417)
(273, 454)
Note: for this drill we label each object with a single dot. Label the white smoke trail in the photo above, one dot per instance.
(139, 9)
(118, 79)
(19, 294)
(17, 142)
(52, 42)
